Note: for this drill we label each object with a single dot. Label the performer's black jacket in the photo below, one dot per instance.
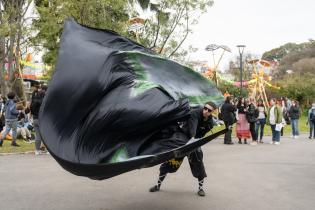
(195, 126)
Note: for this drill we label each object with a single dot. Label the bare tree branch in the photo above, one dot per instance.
(174, 25)
(187, 32)
(157, 31)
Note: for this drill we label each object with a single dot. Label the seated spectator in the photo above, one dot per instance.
(24, 125)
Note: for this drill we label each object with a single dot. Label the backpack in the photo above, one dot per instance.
(312, 115)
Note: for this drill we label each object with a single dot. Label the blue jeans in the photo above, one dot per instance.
(295, 127)
(312, 129)
(275, 134)
(260, 124)
(10, 124)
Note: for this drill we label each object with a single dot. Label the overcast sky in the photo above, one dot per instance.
(260, 25)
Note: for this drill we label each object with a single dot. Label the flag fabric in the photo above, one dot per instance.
(109, 99)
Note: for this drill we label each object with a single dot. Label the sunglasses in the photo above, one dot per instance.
(207, 109)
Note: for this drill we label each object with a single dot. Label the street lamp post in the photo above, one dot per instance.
(241, 50)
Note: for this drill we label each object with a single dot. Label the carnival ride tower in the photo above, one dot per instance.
(259, 80)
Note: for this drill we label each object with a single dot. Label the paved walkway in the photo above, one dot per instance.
(240, 177)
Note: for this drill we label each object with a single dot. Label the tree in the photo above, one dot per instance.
(299, 61)
(300, 88)
(106, 14)
(280, 52)
(232, 89)
(169, 23)
(13, 32)
(248, 70)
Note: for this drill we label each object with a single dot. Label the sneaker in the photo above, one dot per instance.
(272, 142)
(201, 193)
(155, 188)
(277, 143)
(27, 141)
(261, 141)
(14, 144)
(37, 152)
(253, 143)
(296, 137)
(45, 153)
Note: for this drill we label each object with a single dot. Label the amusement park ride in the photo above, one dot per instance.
(259, 80)
(212, 48)
(136, 27)
(256, 86)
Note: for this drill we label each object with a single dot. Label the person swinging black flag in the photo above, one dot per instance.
(110, 100)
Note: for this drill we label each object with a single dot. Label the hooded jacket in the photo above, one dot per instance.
(11, 113)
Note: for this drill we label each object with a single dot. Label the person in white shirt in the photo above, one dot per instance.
(274, 119)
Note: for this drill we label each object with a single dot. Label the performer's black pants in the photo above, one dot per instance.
(195, 160)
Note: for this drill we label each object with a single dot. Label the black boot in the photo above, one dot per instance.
(201, 192)
(157, 187)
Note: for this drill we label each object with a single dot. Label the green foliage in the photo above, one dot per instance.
(280, 52)
(300, 88)
(299, 58)
(165, 30)
(170, 23)
(232, 89)
(106, 14)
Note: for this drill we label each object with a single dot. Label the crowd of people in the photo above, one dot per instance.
(251, 117)
(19, 118)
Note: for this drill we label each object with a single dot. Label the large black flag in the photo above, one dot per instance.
(107, 100)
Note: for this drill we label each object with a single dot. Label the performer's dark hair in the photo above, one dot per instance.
(210, 103)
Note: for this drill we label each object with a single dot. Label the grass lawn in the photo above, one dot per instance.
(24, 147)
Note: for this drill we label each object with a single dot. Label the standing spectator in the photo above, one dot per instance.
(274, 119)
(36, 102)
(284, 110)
(228, 116)
(251, 116)
(311, 121)
(288, 103)
(261, 120)
(2, 119)
(11, 119)
(242, 125)
(294, 114)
